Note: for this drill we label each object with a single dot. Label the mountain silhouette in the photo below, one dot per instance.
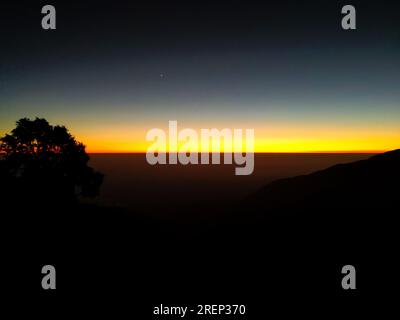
(371, 183)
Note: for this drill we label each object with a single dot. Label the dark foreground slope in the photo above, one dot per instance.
(280, 252)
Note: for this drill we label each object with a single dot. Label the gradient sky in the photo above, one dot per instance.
(113, 70)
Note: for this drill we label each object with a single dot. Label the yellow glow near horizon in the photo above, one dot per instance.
(276, 137)
(319, 141)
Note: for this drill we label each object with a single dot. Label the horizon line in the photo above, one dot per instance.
(260, 152)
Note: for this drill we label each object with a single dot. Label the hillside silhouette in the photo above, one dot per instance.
(234, 255)
(371, 183)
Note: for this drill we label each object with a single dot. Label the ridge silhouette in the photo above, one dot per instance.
(371, 183)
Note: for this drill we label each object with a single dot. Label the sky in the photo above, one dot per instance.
(112, 70)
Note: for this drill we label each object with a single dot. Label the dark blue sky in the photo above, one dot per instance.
(254, 64)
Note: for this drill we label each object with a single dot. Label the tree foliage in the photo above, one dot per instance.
(44, 162)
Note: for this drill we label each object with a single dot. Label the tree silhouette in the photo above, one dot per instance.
(44, 163)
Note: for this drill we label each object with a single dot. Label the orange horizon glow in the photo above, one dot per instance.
(257, 150)
(369, 144)
(261, 152)
(322, 145)
(270, 137)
